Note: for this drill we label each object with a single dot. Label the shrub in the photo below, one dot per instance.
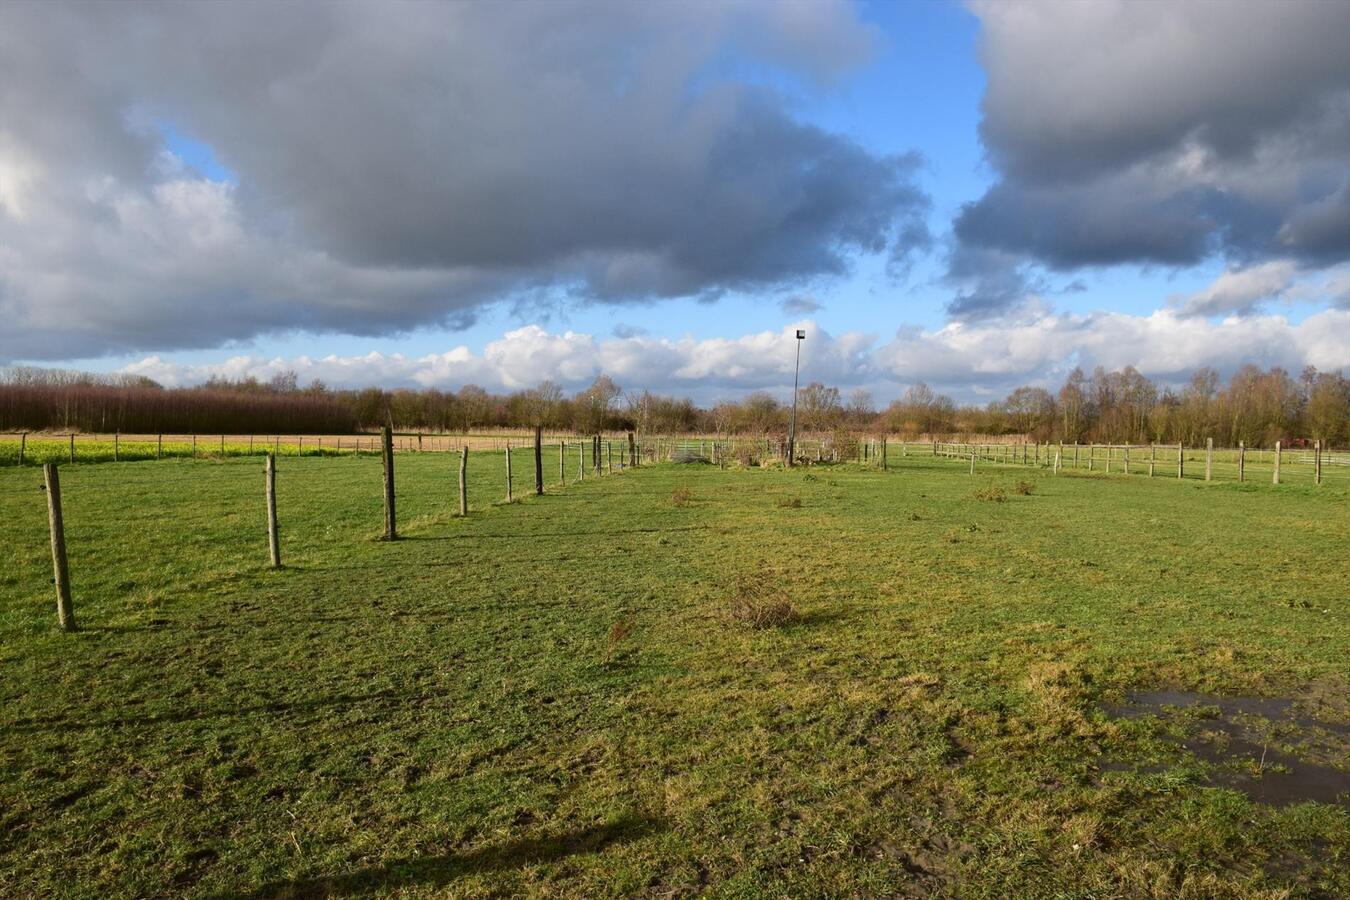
(846, 444)
(758, 600)
(681, 496)
(992, 494)
(790, 502)
(1024, 488)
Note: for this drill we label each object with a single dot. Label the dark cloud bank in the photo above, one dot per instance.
(1157, 134)
(401, 164)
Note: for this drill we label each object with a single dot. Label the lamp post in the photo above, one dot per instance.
(792, 423)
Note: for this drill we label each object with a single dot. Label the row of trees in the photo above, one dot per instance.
(1256, 406)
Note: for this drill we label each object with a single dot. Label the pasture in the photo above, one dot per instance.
(557, 696)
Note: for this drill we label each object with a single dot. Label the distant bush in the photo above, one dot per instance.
(681, 496)
(790, 502)
(991, 494)
(1024, 488)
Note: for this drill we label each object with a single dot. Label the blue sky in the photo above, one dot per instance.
(233, 261)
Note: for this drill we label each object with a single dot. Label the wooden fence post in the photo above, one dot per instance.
(65, 614)
(1152, 458)
(538, 461)
(1209, 458)
(72, 447)
(562, 460)
(1181, 460)
(1242, 460)
(117, 446)
(23, 446)
(1275, 477)
(1127, 459)
(270, 481)
(508, 471)
(972, 459)
(581, 462)
(222, 444)
(390, 519)
(632, 450)
(159, 446)
(609, 456)
(464, 481)
(1317, 462)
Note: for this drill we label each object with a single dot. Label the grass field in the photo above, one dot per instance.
(553, 698)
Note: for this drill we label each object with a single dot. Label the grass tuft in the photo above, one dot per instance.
(759, 600)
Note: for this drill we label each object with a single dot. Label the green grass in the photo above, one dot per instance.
(550, 697)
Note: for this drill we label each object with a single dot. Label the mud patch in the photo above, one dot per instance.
(1276, 750)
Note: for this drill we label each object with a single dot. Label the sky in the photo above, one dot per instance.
(977, 196)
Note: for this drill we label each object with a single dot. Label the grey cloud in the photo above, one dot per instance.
(1165, 133)
(403, 164)
(801, 305)
(989, 283)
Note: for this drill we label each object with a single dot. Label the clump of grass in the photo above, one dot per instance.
(681, 496)
(1024, 488)
(991, 494)
(790, 502)
(620, 631)
(759, 600)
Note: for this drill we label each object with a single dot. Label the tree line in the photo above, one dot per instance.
(1255, 406)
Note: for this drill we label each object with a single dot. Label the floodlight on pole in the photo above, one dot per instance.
(792, 423)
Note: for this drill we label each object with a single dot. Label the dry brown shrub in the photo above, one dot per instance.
(991, 494)
(1024, 488)
(681, 496)
(759, 600)
(790, 502)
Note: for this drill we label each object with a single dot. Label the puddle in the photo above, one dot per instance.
(1276, 750)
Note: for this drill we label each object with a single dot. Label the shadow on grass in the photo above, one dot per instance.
(440, 871)
(524, 534)
(174, 716)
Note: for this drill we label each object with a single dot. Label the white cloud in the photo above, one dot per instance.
(1240, 291)
(970, 360)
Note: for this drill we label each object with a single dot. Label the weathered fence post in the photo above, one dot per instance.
(1209, 458)
(538, 461)
(1181, 460)
(23, 445)
(1242, 460)
(1127, 459)
(1152, 458)
(1059, 454)
(632, 450)
(508, 471)
(65, 614)
(117, 446)
(581, 462)
(222, 444)
(464, 481)
(562, 460)
(609, 457)
(1317, 462)
(1275, 477)
(390, 520)
(270, 482)
(972, 459)
(159, 446)
(72, 447)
